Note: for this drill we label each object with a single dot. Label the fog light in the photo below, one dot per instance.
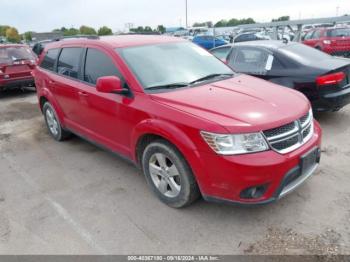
(253, 192)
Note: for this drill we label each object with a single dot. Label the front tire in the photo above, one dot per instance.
(169, 175)
(53, 124)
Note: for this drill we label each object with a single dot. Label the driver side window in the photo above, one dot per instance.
(98, 64)
(309, 35)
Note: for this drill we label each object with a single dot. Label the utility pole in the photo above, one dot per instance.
(337, 8)
(186, 15)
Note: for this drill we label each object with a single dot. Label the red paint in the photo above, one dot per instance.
(330, 45)
(237, 105)
(16, 73)
(331, 79)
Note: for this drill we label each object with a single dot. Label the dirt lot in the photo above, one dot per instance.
(74, 198)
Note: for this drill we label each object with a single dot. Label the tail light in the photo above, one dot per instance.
(330, 79)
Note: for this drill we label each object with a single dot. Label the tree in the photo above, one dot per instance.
(161, 29)
(12, 35)
(148, 29)
(3, 29)
(28, 36)
(208, 24)
(104, 30)
(71, 31)
(86, 30)
(221, 23)
(282, 18)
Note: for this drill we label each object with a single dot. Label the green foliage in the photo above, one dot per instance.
(161, 29)
(208, 24)
(86, 30)
(27, 36)
(282, 18)
(12, 35)
(141, 29)
(104, 30)
(3, 29)
(235, 22)
(71, 31)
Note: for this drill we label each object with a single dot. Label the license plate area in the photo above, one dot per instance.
(309, 160)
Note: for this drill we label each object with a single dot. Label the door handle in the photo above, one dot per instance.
(83, 93)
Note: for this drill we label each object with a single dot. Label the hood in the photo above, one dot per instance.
(239, 104)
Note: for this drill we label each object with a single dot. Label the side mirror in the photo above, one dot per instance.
(110, 84)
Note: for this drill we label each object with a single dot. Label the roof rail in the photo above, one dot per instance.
(81, 36)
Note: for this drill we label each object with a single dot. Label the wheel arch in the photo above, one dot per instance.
(46, 96)
(153, 129)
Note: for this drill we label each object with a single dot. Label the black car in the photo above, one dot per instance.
(324, 79)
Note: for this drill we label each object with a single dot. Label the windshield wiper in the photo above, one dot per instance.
(168, 86)
(211, 76)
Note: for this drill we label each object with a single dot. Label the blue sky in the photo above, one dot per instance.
(45, 15)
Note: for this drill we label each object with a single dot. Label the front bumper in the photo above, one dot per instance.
(332, 101)
(228, 176)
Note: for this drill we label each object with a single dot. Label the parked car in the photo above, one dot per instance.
(250, 36)
(323, 79)
(16, 65)
(191, 124)
(334, 41)
(207, 41)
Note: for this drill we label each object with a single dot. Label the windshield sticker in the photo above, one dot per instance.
(269, 62)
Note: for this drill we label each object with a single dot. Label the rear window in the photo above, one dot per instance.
(340, 32)
(8, 55)
(49, 60)
(69, 60)
(303, 54)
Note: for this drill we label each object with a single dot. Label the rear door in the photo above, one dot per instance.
(65, 83)
(312, 38)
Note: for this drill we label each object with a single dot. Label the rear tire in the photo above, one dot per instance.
(169, 175)
(53, 124)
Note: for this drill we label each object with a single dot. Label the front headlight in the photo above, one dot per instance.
(235, 144)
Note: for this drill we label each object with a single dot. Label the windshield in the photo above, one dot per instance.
(171, 64)
(303, 54)
(9, 55)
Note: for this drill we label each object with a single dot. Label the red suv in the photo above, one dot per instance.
(192, 125)
(334, 41)
(16, 65)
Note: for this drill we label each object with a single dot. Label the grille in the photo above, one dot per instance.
(291, 136)
(280, 130)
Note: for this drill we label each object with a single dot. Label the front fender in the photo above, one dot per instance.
(163, 129)
(179, 139)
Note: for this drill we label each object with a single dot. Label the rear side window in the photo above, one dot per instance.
(339, 32)
(250, 60)
(98, 64)
(68, 62)
(221, 52)
(49, 60)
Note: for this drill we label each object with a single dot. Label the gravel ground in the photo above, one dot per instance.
(74, 198)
